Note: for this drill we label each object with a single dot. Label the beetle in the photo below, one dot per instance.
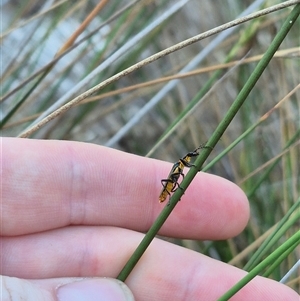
(171, 183)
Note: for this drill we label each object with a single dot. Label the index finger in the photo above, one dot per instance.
(52, 184)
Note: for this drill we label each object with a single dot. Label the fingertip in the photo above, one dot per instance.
(211, 208)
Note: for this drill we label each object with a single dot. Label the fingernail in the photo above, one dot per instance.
(105, 289)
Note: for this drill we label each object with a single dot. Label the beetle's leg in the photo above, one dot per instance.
(187, 158)
(185, 161)
(178, 185)
(175, 188)
(165, 181)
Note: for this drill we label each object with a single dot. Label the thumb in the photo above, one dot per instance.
(65, 289)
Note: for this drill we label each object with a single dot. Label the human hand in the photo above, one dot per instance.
(72, 210)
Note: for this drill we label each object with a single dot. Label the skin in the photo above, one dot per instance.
(72, 209)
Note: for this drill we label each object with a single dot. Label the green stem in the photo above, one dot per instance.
(241, 138)
(280, 259)
(288, 245)
(23, 99)
(288, 221)
(261, 66)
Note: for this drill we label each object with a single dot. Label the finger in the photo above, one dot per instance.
(65, 289)
(165, 271)
(51, 184)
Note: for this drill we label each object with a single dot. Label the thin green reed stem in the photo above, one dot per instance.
(290, 245)
(23, 99)
(286, 223)
(277, 261)
(294, 138)
(261, 66)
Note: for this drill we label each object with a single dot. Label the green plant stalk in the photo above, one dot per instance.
(209, 83)
(269, 169)
(22, 100)
(281, 228)
(291, 242)
(279, 260)
(261, 66)
(237, 141)
(230, 147)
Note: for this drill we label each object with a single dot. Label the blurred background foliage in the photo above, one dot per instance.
(265, 163)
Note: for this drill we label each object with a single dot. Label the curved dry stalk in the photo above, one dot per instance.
(152, 58)
(82, 27)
